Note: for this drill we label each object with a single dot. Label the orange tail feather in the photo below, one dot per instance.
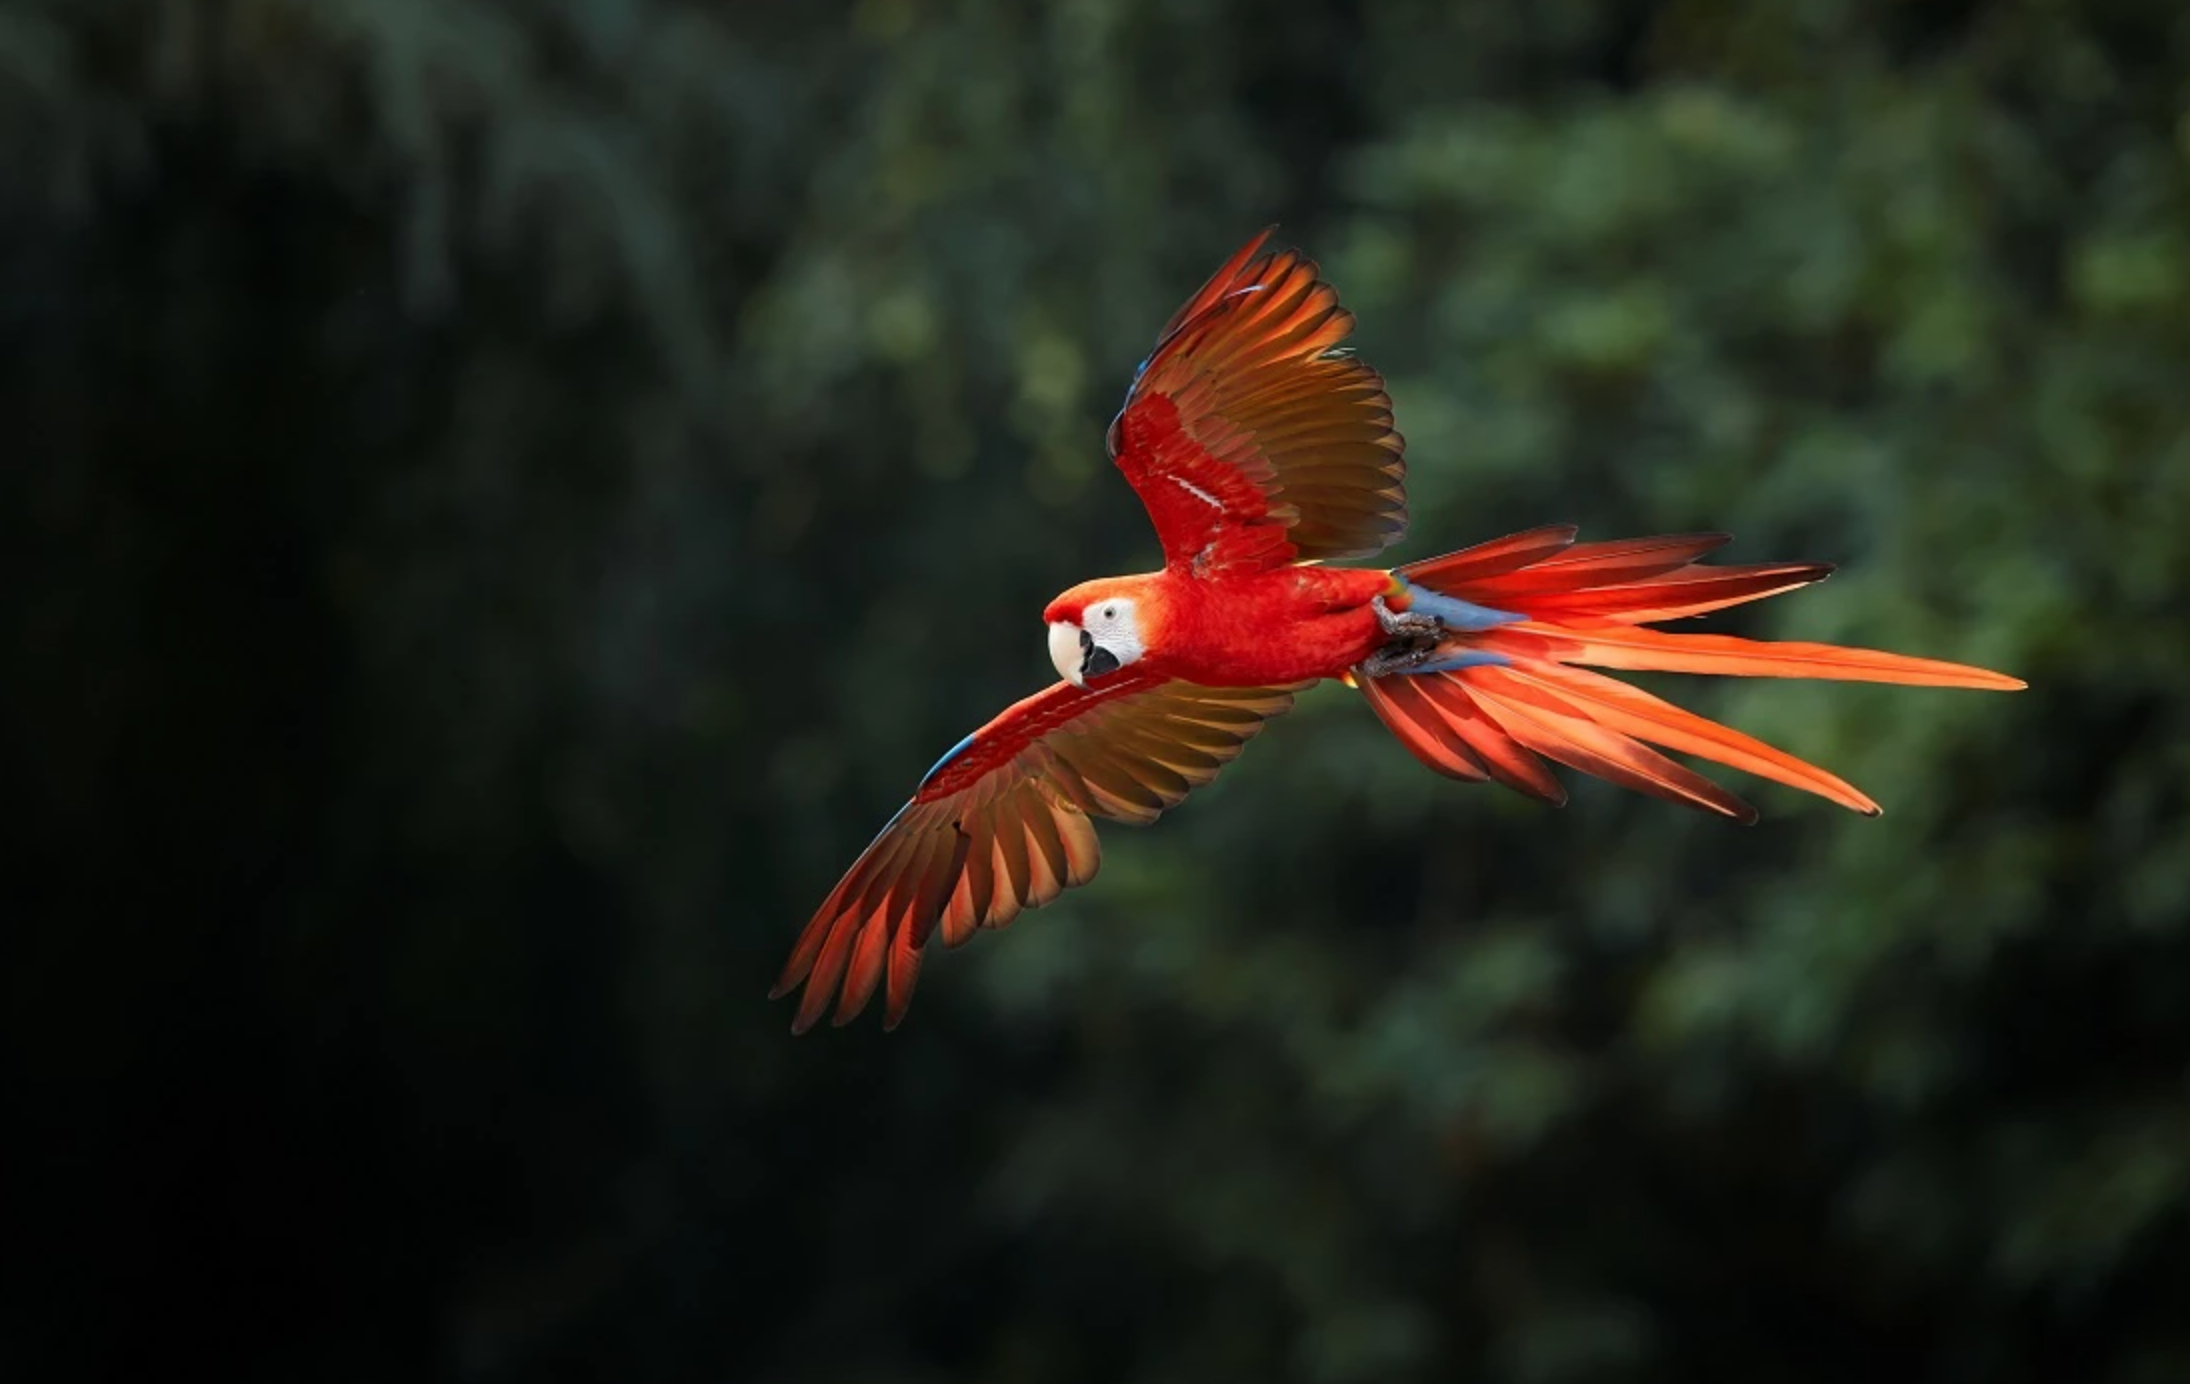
(1584, 604)
(1560, 730)
(1611, 645)
(1692, 590)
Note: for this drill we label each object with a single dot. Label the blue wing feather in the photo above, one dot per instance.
(948, 755)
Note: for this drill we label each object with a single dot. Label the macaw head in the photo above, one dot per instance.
(1097, 628)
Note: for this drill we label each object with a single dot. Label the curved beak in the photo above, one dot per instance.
(1064, 650)
(1076, 654)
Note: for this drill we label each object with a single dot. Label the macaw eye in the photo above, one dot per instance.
(1110, 612)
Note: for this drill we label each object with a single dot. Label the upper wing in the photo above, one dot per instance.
(1001, 824)
(1250, 437)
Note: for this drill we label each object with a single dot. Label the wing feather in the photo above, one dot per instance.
(970, 892)
(1002, 825)
(1045, 853)
(1251, 438)
(1013, 870)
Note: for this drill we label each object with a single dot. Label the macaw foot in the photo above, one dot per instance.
(1407, 624)
(1412, 641)
(1400, 656)
(1422, 642)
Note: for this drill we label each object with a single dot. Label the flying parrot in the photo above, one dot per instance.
(1262, 450)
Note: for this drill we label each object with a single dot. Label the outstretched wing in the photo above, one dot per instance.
(1254, 441)
(1001, 825)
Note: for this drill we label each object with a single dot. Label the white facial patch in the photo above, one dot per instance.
(1107, 638)
(1116, 627)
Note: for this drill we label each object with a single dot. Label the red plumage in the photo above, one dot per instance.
(1261, 450)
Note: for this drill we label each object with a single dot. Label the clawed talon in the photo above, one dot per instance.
(1414, 639)
(1397, 658)
(1408, 624)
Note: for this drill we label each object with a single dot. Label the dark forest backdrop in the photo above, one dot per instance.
(501, 499)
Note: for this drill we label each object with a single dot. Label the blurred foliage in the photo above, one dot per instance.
(505, 497)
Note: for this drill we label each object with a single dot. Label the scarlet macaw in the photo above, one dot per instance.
(1260, 449)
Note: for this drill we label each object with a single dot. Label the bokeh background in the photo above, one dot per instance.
(501, 499)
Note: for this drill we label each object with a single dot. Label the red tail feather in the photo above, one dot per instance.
(1583, 604)
(1592, 566)
(1560, 730)
(1692, 590)
(1609, 645)
(1450, 572)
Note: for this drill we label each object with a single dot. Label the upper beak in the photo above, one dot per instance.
(1077, 656)
(1065, 651)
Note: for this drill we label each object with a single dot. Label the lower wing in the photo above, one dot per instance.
(1001, 825)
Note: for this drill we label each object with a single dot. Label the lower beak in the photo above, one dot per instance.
(1094, 659)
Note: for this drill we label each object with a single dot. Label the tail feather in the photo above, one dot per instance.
(1559, 730)
(1508, 760)
(1684, 591)
(1403, 704)
(1439, 722)
(1622, 707)
(1655, 651)
(1584, 603)
(1454, 570)
(1590, 566)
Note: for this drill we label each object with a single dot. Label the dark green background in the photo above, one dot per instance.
(499, 500)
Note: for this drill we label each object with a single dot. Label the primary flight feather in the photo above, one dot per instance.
(1261, 451)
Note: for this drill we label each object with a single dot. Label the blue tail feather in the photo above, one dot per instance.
(1458, 659)
(1454, 613)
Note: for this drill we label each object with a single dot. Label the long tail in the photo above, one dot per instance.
(1502, 695)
